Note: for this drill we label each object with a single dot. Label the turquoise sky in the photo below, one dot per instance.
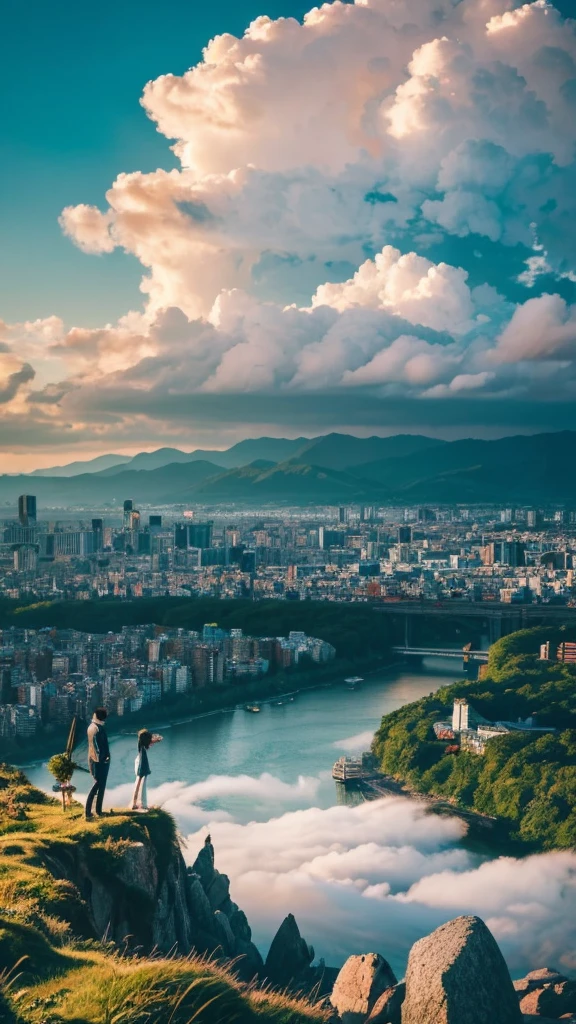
(72, 77)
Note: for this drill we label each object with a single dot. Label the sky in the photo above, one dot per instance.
(266, 218)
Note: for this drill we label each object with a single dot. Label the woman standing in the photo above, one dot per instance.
(142, 768)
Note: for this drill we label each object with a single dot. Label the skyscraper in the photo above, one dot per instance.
(27, 509)
(128, 506)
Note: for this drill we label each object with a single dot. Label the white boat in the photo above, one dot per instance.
(252, 707)
(348, 769)
(353, 682)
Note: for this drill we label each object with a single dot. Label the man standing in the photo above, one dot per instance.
(98, 760)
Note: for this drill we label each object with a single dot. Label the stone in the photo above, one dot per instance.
(248, 962)
(240, 927)
(201, 914)
(224, 933)
(457, 975)
(289, 955)
(137, 868)
(361, 981)
(536, 979)
(218, 892)
(388, 1008)
(551, 1000)
(204, 865)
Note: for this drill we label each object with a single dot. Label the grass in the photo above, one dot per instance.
(53, 969)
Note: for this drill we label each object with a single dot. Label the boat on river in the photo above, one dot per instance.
(348, 770)
(353, 682)
(254, 708)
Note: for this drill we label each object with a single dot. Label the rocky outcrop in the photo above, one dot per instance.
(218, 926)
(359, 985)
(546, 993)
(457, 975)
(388, 1008)
(290, 956)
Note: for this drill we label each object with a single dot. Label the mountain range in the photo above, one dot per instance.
(334, 468)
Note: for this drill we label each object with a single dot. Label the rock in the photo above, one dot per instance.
(249, 963)
(289, 954)
(204, 865)
(457, 975)
(388, 1008)
(201, 913)
(240, 927)
(137, 869)
(550, 1000)
(218, 892)
(535, 979)
(225, 934)
(359, 984)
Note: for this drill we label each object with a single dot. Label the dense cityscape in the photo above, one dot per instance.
(335, 553)
(48, 675)
(349, 553)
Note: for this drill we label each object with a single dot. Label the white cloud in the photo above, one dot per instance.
(396, 130)
(379, 875)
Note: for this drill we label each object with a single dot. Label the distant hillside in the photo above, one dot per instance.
(521, 468)
(101, 462)
(329, 470)
(343, 451)
(293, 481)
(143, 486)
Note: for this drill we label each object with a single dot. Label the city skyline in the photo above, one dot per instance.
(351, 218)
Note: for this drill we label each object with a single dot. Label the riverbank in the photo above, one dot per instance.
(487, 830)
(201, 703)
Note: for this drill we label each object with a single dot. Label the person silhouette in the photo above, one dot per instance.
(142, 768)
(98, 760)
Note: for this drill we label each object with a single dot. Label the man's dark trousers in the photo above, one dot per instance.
(99, 771)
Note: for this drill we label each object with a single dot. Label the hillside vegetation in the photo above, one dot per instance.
(528, 781)
(352, 629)
(53, 970)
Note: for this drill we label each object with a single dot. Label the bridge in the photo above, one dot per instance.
(443, 652)
(497, 618)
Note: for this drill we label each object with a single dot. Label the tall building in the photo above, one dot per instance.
(404, 534)
(193, 535)
(154, 523)
(128, 506)
(460, 714)
(26, 558)
(27, 509)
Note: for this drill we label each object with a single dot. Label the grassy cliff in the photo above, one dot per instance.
(527, 781)
(56, 969)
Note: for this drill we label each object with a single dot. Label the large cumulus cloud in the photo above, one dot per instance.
(372, 207)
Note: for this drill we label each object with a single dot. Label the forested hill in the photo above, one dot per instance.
(528, 781)
(351, 628)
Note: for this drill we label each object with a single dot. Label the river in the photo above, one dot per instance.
(358, 876)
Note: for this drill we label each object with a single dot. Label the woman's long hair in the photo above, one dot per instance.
(144, 739)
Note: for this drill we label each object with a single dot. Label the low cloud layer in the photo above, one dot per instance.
(376, 876)
(372, 877)
(372, 208)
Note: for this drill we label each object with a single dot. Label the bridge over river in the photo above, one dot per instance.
(443, 652)
(495, 618)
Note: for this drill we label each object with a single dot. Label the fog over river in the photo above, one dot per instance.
(368, 877)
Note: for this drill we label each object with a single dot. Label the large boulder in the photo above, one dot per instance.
(457, 975)
(388, 1008)
(289, 956)
(538, 978)
(359, 984)
(550, 1000)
